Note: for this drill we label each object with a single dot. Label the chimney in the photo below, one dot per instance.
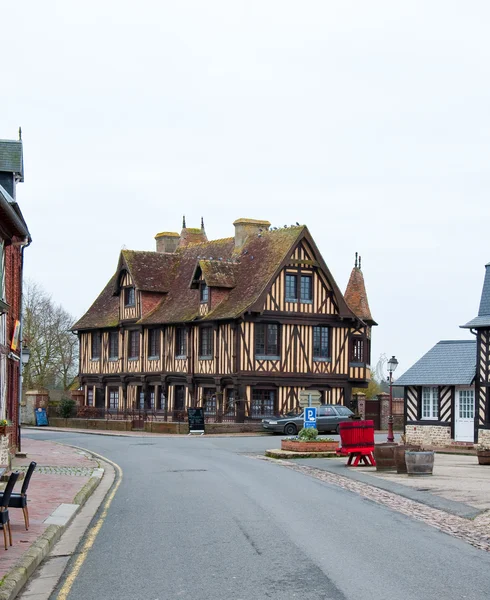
(247, 227)
(167, 241)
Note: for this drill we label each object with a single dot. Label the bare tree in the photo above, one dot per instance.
(53, 348)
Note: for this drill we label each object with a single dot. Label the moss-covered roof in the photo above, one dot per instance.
(247, 272)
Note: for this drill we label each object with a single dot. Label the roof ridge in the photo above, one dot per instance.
(456, 342)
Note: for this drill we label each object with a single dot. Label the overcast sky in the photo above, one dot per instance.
(367, 121)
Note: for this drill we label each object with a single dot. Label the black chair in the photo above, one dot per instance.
(4, 502)
(20, 500)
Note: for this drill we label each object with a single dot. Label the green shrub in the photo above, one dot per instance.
(308, 434)
(66, 408)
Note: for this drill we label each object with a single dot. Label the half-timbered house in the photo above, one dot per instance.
(480, 326)
(240, 325)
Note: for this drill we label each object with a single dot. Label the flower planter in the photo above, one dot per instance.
(294, 446)
(401, 465)
(419, 463)
(483, 457)
(384, 455)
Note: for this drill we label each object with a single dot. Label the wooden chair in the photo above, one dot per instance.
(4, 513)
(20, 500)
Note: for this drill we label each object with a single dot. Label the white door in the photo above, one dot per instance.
(465, 416)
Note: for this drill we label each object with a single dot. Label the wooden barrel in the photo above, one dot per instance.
(401, 465)
(357, 434)
(384, 455)
(419, 463)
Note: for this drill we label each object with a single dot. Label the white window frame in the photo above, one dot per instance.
(430, 403)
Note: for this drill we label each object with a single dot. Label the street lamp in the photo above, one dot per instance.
(24, 359)
(392, 365)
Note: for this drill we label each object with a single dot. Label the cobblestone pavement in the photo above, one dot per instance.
(476, 532)
(60, 474)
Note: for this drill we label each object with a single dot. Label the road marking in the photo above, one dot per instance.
(91, 535)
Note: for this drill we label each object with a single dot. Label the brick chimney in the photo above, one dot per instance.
(167, 241)
(247, 227)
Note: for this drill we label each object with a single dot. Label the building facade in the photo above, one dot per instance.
(480, 326)
(14, 237)
(440, 395)
(239, 325)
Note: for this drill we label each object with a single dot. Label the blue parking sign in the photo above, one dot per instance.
(310, 416)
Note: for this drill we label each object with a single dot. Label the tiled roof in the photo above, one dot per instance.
(356, 296)
(483, 318)
(450, 362)
(217, 273)
(246, 272)
(104, 312)
(11, 157)
(151, 271)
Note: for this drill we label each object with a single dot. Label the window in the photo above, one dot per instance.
(291, 288)
(209, 401)
(180, 341)
(466, 404)
(357, 350)
(128, 297)
(113, 345)
(230, 401)
(134, 345)
(141, 397)
(266, 339)
(154, 343)
(263, 404)
(205, 342)
(306, 289)
(113, 398)
(152, 400)
(96, 343)
(321, 337)
(90, 396)
(430, 403)
(204, 293)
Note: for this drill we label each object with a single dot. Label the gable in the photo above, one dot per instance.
(302, 262)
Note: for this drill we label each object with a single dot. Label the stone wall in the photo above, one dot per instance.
(484, 437)
(153, 426)
(428, 435)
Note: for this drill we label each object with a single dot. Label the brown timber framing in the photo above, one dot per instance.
(232, 364)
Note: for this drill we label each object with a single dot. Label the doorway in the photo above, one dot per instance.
(464, 422)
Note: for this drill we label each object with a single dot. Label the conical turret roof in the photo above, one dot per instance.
(356, 295)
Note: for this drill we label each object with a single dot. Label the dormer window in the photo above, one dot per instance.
(204, 293)
(128, 297)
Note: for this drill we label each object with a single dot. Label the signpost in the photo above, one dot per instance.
(41, 417)
(310, 417)
(196, 420)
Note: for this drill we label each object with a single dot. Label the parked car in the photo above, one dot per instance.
(328, 418)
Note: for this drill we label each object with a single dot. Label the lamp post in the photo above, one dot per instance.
(392, 365)
(24, 359)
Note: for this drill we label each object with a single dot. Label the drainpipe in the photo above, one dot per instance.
(25, 243)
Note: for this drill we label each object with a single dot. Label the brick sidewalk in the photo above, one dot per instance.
(48, 489)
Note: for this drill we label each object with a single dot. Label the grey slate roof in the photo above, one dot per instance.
(11, 160)
(449, 362)
(483, 318)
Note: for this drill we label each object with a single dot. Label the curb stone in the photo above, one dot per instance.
(17, 577)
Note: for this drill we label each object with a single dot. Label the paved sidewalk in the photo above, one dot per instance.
(61, 474)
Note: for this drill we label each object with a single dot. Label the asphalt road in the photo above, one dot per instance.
(200, 518)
